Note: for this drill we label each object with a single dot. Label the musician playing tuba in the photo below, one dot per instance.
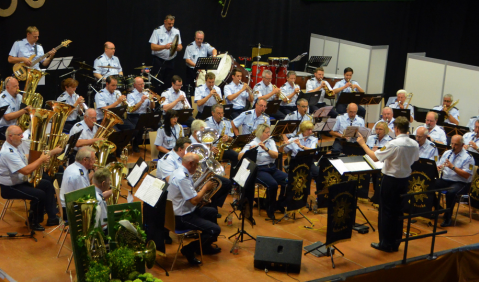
(12, 99)
(175, 98)
(452, 114)
(208, 94)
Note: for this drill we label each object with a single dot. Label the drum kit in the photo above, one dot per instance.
(277, 65)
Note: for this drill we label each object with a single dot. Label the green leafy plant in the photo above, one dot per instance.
(132, 216)
(122, 262)
(97, 273)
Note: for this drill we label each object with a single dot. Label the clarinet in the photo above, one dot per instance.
(448, 157)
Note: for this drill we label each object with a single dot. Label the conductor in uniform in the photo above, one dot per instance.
(398, 155)
(195, 50)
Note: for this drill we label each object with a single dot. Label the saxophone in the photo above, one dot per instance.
(222, 146)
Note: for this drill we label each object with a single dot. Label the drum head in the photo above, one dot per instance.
(224, 69)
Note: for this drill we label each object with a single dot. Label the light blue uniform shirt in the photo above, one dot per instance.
(103, 205)
(161, 36)
(105, 98)
(264, 90)
(171, 96)
(168, 141)
(437, 133)
(22, 49)
(297, 116)
(250, 121)
(343, 121)
(463, 160)
(263, 157)
(201, 92)
(75, 177)
(193, 52)
(373, 140)
(167, 164)
(309, 142)
(390, 124)
(287, 89)
(70, 100)
(240, 101)
(472, 123)
(181, 191)
(395, 105)
(454, 112)
(104, 60)
(13, 105)
(471, 136)
(313, 83)
(428, 150)
(12, 159)
(134, 98)
(87, 133)
(343, 82)
(224, 123)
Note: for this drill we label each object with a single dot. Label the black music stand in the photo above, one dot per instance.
(421, 113)
(138, 163)
(250, 154)
(402, 113)
(311, 97)
(207, 63)
(3, 110)
(121, 138)
(148, 122)
(119, 111)
(319, 61)
(452, 129)
(370, 99)
(350, 97)
(285, 127)
(241, 140)
(184, 115)
(272, 107)
(441, 148)
(322, 112)
(72, 141)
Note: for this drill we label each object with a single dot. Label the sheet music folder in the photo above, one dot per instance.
(148, 120)
(421, 113)
(3, 110)
(151, 190)
(207, 63)
(401, 113)
(72, 141)
(139, 169)
(311, 97)
(353, 165)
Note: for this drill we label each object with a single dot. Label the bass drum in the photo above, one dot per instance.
(224, 72)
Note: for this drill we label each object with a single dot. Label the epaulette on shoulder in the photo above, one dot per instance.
(474, 117)
(38, 44)
(290, 114)
(78, 124)
(11, 150)
(311, 79)
(4, 95)
(259, 83)
(191, 44)
(206, 43)
(19, 40)
(247, 113)
(266, 115)
(161, 127)
(199, 86)
(99, 57)
(166, 90)
(61, 95)
(208, 118)
(165, 157)
(433, 144)
(455, 108)
(225, 119)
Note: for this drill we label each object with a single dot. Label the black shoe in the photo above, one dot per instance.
(136, 149)
(36, 227)
(53, 221)
(376, 246)
(190, 256)
(281, 210)
(446, 223)
(168, 240)
(210, 250)
(218, 215)
(270, 214)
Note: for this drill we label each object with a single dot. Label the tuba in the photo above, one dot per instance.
(103, 149)
(105, 129)
(118, 172)
(212, 169)
(30, 98)
(94, 244)
(208, 135)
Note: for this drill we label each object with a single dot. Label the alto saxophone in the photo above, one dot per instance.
(222, 146)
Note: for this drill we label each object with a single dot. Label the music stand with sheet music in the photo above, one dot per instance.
(402, 113)
(3, 110)
(421, 113)
(452, 129)
(322, 112)
(133, 179)
(324, 126)
(272, 107)
(60, 64)
(285, 127)
(319, 61)
(207, 63)
(148, 122)
(311, 97)
(184, 115)
(350, 97)
(250, 154)
(119, 111)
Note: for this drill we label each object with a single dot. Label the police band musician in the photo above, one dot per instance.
(195, 50)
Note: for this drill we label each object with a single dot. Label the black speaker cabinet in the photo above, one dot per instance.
(278, 254)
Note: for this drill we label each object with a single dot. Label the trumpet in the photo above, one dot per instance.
(281, 95)
(186, 104)
(326, 89)
(217, 96)
(82, 106)
(352, 89)
(152, 96)
(125, 103)
(248, 89)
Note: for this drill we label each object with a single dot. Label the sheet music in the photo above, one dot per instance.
(325, 125)
(339, 165)
(322, 112)
(357, 166)
(243, 173)
(373, 164)
(150, 190)
(365, 132)
(136, 173)
(350, 131)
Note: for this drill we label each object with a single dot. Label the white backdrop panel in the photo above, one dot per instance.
(358, 59)
(331, 48)
(316, 45)
(377, 69)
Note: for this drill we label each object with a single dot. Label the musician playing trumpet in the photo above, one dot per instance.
(237, 93)
(317, 83)
(175, 98)
(402, 104)
(291, 90)
(69, 97)
(347, 85)
(266, 90)
(208, 94)
(452, 114)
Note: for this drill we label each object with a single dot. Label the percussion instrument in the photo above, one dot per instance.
(109, 67)
(257, 72)
(128, 81)
(281, 73)
(224, 72)
(284, 61)
(302, 78)
(143, 67)
(273, 61)
(273, 66)
(174, 45)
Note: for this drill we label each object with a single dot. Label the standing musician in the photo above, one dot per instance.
(250, 120)
(168, 133)
(207, 94)
(221, 124)
(23, 49)
(69, 97)
(401, 103)
(185, 199)
(398, 155)
(236, 94)
(142, 106)
(317, 84)
(266, 90)
(10, 98)
(453, 114)
(435, 133)
(378, 141)
(109, 98)
(14, 169)
(107, 59)
(347, 85)
(387, 117)
(471, 139)
(457, 166)
(176, 99)
(268, 173)
(342, 122)
(427, 149)
(160, 42)
(291, 91)
(300, 114)
(195, 50)
(172, 160)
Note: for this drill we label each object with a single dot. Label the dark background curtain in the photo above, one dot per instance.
(444, 30)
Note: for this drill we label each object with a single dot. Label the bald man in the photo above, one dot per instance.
(434, 132)
(350, 118)
(141, 106)
(107, 59)
(10, 98)
(187, 215)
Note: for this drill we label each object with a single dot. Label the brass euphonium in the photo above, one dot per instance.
(94, 244)
(118, 172)
(30, 98)
(213, 169)
(104, 147)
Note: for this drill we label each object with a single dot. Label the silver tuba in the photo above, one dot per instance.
(212, 169)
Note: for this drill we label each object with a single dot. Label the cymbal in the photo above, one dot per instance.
(143, 67)
(87, 76)
(108, 67)
(84, 66)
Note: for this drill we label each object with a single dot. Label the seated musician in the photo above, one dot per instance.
(435, 133)
(222, 125)
(76, 175)
(291, 91)
(387, 117)
(185, 199)
(342, 122)
(109, 98)
(300, 114)
(471, 122)
(168, 133)
(268, 173)
(471, 139)
(452, 114)
(401, 103)
(236, 94)
(266, 90)
(88, 130)
(102, 181)
(427, 149)
(457, 165)
(69, 97)
(142, 105)
(378, 141)
(14, 169)
(249, 120)
(207, 94)
(172, 160)
(176, 99)
(10, 98)
(317, 83)
(107, 59)
(347, 85)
